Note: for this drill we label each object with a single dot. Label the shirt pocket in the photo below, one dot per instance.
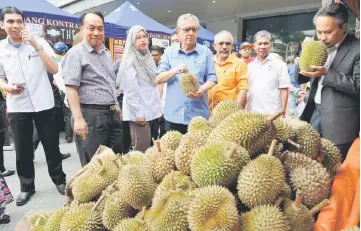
(228, 79)
(200, 68)
(35, 63)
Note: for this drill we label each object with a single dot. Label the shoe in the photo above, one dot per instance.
(61, 188)
(7, 173)
(24, 197)
(65, 156)
(5, 219)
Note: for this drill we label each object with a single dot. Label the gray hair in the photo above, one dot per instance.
(262, 33)
(216, 37)
(335, 10)
(184, 17)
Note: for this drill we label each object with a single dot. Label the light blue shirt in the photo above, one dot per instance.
(179, 108)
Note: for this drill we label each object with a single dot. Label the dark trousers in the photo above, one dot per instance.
(161, 122)
(104, 128)
(127, 140)
(21, 125)
(154, 130)
(344, 150)
(169, 126)
(2, 141)
(67, 127)
(59, 118)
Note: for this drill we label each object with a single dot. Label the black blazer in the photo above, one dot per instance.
(340, 104)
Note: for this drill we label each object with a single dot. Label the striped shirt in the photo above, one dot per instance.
(92, 72)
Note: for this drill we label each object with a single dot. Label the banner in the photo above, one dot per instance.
(116, 47)
(59, 34)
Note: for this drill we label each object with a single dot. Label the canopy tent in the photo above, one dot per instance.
(41, 9)
(354, 6)
(127, 15)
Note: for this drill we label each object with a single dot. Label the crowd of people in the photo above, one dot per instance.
(127, 104)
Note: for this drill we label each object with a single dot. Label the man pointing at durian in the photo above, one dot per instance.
(333, 107)
(178, 59)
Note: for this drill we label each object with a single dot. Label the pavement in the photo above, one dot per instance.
(46, 197)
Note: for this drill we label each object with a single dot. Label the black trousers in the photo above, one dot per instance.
(67, 127)
(2, 141)
(21, 126)
(161, 122)
(104, 128)
(154, 130)
(169, 126)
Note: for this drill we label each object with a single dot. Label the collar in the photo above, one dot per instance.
(268, 58)
(7, 41)
(336, 46)
(196, 49)
(91, 49)
(230, 59)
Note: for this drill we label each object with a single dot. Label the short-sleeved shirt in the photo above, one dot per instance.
(232, 77)
(23, 65)
(265, 79)
(92, 72)
(179, 108)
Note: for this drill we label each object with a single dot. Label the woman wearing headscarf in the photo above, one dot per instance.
(136, 76)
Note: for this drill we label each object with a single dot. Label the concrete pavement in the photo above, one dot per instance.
(46, 196)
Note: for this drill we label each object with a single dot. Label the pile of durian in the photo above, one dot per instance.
(237, 171)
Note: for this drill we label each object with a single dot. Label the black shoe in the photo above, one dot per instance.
(61, 188)
(5, 219)
(24, 197)
(7, 173)
(65, 156)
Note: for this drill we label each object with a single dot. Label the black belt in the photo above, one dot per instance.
(98, 107)
(318, 107)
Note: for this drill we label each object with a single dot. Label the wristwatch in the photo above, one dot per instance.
(39, 48)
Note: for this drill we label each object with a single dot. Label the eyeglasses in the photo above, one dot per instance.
(187, 30)
(227, 43)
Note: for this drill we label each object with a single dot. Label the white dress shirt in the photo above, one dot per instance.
(265, 79)
(332, 51)
(24, 66)
(141, 99)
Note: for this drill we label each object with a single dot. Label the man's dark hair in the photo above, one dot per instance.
(10, 10)
(336, 10)
(95, 12)
(157, 48)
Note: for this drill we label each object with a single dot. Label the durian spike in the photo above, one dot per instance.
(232, 153)
(318, 207)
(320, 157)
(274, 117)
(171, 180)
(69, 185)
(157, 143)
(271, 150)
(298, 200)
(279, 201)
(293, 143)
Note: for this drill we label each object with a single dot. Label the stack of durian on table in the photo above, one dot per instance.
(237, 171)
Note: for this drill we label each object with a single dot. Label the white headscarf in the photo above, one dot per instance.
(142, 62)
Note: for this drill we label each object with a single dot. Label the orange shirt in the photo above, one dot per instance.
(232, 77)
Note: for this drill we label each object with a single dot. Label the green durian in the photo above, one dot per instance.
(189, 84)
(223, 109)
(199, 123)
(330, 155)
(171, 140)
(54, 221)
(314, 53)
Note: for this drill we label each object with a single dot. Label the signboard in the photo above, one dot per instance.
(35, 29)
(116, 46)
(160, 42)
(60, 34)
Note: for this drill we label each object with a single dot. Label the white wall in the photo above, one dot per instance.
(230, 25)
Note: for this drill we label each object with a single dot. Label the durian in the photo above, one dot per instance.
(330, 155)
(171, 140)
(218, 164)
(189, 84)
(199, 123)
(314, 53)
(54, 221)
(352, 229)
(88, 186)
(223, 109)
(106, 168)
(136, 186)
(262, 180)
(134, 157)
(213, 208)
(264, 218)
(132, 224)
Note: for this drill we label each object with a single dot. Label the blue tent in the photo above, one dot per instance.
(127, 15)
(40, 9)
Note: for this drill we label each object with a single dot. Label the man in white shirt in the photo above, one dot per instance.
(268, 79)
(24, 62)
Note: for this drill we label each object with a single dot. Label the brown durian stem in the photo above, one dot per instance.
(232, 153)
(318, 207)
(99, 161)
(283, 156)
(320, 157)
(293, 143)
(122, 160)
(100, 150)
(157, 143)
(69, 185)
(298, 200)
(142, 213)
(271, 150)
(274, 117)
(98, 203)
(279, 201)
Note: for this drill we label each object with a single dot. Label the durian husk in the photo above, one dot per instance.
(189, 84)
(171, 140)
(330, 156)
(314, 53)
(199, 123)
(223, 109)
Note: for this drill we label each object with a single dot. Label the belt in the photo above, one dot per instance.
(318, 107)
(98, 107)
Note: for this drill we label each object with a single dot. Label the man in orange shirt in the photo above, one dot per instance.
(231, 73)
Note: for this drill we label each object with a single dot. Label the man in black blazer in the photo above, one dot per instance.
(333, 107)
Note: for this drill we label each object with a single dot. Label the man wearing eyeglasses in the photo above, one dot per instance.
(231, 73)
(178, 59)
